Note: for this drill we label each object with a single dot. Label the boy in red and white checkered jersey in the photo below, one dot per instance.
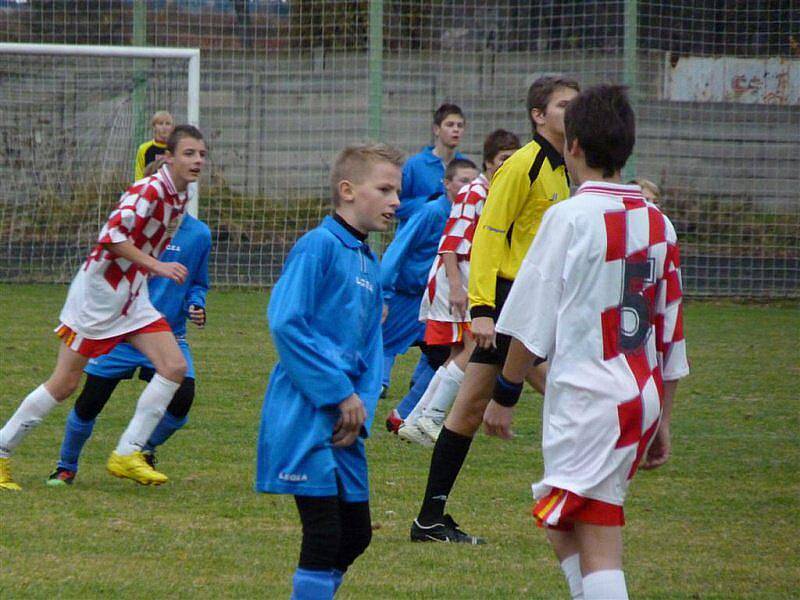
(444, 305)
(108, 303)
(599, 295)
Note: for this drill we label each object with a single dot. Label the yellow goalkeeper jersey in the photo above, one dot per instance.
(528, 183)
(147, 153)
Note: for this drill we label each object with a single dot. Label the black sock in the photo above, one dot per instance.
(448, 455)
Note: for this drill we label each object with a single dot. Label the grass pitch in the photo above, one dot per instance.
(720, 520)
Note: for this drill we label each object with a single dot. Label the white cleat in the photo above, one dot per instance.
(430, 427)
(409, 432)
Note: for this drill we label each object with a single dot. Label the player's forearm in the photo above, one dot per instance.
(130, 252)
(670, 390)
(450, 260)
(518, 361)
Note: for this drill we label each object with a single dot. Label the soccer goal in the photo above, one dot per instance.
(72, 118)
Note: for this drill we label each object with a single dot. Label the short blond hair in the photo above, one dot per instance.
(355, 162)
(648, 185)
(161, 114)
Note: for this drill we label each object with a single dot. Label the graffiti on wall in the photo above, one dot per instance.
(725, 79)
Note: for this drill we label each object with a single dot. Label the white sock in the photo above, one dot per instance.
(29, 414)
(572, 571)
(416, 412)
(446, 393)
(605, 585)
(149, 409)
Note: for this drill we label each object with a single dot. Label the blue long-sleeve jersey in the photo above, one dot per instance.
(325, 319)
(408, 258)
(190, 246)
(423, 177)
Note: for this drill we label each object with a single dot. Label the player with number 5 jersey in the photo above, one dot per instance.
(599, 294)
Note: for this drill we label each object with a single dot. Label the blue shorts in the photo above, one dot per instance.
(402, 327)
(295, 454)
(321, 471)
(124, 359)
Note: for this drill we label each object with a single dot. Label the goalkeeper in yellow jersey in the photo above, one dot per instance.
(150, 155)
(527, 184)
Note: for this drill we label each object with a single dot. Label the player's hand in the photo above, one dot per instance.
(197, 315)
(483, 332)
(351, 420)
(458, 303)
(659, 450)
(384, 313)
(497, 420)
(171, 270)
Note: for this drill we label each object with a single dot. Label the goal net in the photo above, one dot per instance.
(286, 85)
(72, 119)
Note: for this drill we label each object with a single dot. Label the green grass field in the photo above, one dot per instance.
(719, 521)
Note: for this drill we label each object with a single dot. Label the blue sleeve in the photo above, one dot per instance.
(308, 358)
(409, 207)
(408, 178)
(373, 356)
(393, 259)
(196, 294)
(409, 203)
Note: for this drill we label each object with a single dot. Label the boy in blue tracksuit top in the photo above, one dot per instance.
(190, 246)
(404, 274)
(423, 173)
(325, 319)
(423, 179)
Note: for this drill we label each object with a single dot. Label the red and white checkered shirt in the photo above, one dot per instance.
(599, 294)
(108, 296)
(457, 239)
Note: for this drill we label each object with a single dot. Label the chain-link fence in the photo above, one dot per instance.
(286, 83)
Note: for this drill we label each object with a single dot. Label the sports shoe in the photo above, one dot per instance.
(446, 530)
(393, 421)
(384, 392)
(411, 433)
(134, 466)
(61, 477)
(430, 427)
(6, 482)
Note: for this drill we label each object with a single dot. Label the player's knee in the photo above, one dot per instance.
(436, 355)
(182, 400)
(63, 386)
(96, 392)
(173, 369)
(354, 544)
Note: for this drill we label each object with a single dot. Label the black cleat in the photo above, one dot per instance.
(446, 530)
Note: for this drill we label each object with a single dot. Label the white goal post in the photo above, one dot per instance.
(192, 55)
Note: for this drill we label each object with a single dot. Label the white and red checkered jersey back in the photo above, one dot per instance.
(599, 294)
(108, 296)
(456, 239)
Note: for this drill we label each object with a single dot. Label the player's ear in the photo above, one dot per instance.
(168, 157)
(538, 116)
(346, 192)
(574, 148)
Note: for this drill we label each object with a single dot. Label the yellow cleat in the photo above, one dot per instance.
(134, 466)
(6, 482)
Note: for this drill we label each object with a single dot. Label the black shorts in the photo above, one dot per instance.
(497, 355)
